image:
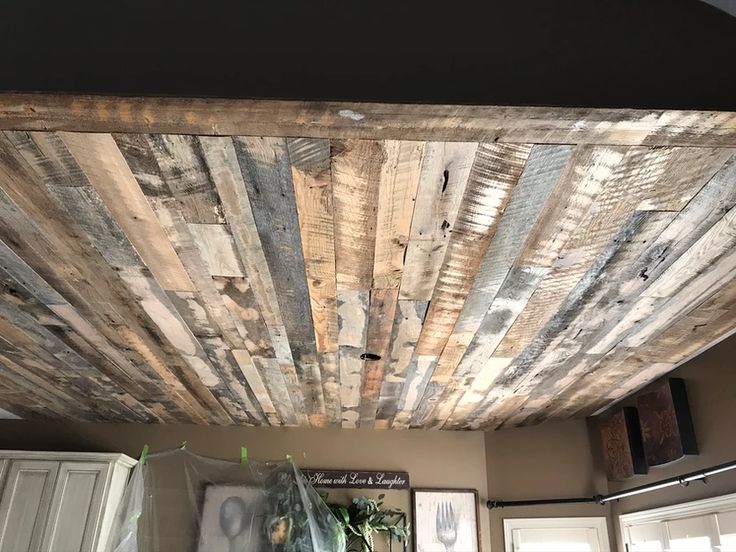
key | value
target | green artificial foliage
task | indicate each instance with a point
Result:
(287, 527)
(365, 518)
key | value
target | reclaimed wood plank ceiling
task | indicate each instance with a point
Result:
(357, 265)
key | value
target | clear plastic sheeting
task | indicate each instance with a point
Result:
(179, 501)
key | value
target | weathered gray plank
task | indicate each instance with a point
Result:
(495, 172)
(352, 320)
(381, 313)
(266, 173)
(408, 319)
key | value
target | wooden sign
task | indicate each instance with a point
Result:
(346, 479)
(622, 445)
(666, 424)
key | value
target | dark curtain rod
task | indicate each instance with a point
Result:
(684, 480)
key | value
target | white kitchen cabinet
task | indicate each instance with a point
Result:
(59, 502)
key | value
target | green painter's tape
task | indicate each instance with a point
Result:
(144, 453)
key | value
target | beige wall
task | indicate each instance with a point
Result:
(547, 461)
(710, 380)
(433, 459)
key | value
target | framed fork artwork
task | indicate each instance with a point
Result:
(445, 520)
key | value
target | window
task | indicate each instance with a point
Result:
(699, 526)
(556, 535)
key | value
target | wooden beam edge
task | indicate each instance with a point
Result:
(250, 117)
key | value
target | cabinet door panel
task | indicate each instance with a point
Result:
(3, 468)
(76, 507)
(25, 503)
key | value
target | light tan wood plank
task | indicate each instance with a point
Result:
(109, 174)
(444, 174)
(225, 172)
(356, 173)
(396, 196)
(215, 244)
(310, 166)
(494, 174)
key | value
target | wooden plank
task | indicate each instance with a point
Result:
(278, 374)
(49, 157)
(509, 302)
(381, 314)
(68, 263)
(477, 390)
(674, 275)
(34, 392)
(159, 308)
(444, 174)
(418, 378)
(240, 400)
(215, 244)
(35, 326)
(29, 360)
(352, 320)
(221, 158)
(541, 173)
(312, 180)
(27, 277)
(57, 368)
(356, 173)
(330, 371)
(686, 172)
(409, 316)
(310, 169)
(266, 173)
(397, 192)
(624, 370)
(536, 185)
(525, 369)
(599, 327)
(608, 186)
(457, 363)
(109, 174)
(83, 205)
(256, 378)
(240, 300)
(494, 174)
(693, 280)
(193, 311)
(211, 116)
(567, 355)
(183, 168)
(147, 172)
(658, 313)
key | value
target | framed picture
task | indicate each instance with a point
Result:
(445, 520)
(232, 519)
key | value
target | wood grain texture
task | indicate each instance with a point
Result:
(397, 192)
(506, 271)
(550, 125)
(493, 176)
(444, 175)
(108, 173)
